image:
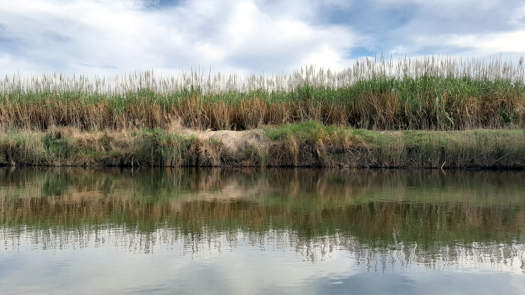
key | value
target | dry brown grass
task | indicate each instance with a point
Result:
(425, 103)
(295, 145)
(371, 111)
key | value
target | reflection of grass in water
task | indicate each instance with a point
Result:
(428, 233)
(287, 184)
(410, 215)
(377, 208)
(56, 185)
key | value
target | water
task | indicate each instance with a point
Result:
(280, 231)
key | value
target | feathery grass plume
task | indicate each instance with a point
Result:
(441, 93)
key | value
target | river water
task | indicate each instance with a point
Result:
(272, 231)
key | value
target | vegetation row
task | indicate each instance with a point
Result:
(305, 144)
(432, 93)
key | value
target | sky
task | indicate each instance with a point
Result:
(247, 36)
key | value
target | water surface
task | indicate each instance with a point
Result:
(286, 231)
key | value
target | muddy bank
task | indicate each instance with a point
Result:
(306, 144)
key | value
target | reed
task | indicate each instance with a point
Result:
(429, 93)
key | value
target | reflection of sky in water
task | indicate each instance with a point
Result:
(235, 263)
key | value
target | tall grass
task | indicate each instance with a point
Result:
(411, 93)
(491, 69)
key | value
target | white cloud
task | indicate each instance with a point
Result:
(119, 35)
(94, 36)
(483, 44)
(506, 42)
(518, 17)
(469, 27)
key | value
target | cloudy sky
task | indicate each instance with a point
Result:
(275, 36)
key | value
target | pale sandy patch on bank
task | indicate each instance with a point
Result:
(233, 140)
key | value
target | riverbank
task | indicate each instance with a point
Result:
(304, 144)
